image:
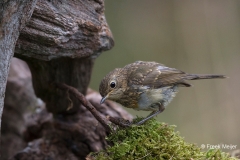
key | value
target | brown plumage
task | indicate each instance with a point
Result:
(146, 85)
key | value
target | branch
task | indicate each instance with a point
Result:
(84, 102)
(120, 122)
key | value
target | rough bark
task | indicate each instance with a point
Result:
(13, 17)
(65, 28)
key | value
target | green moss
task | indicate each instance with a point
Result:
(154, 140)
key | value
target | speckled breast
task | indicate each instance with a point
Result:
(130, 98)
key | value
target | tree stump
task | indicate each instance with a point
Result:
(60, 43)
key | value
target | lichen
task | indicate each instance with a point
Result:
(154, 140)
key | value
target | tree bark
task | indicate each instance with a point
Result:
(66, 28)
(13, 17)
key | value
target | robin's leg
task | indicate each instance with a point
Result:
(151, 115)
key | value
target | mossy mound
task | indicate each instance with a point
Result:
(154, 140)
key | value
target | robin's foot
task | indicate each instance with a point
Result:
(151, 115)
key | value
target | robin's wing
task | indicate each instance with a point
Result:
(154, 75)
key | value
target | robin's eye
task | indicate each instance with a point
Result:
(113, 84)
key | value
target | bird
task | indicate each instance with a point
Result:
(148, 86)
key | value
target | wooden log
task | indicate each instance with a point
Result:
(60, 43)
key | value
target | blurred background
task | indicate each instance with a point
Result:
(194, 36)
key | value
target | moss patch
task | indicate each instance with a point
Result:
(154, 140)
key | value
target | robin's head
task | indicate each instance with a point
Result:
(112, 85)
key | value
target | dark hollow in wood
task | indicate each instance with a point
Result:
(74, 72)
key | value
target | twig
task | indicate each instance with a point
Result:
(84, 102)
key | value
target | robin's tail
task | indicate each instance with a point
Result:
(203, 76)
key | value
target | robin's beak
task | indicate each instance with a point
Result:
(103, 99)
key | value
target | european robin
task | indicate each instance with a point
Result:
(148, 86)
